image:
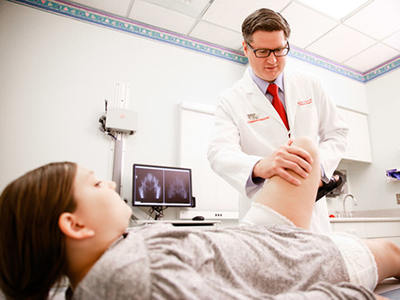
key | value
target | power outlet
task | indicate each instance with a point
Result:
(398, 198)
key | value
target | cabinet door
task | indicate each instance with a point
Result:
(383, 229)
(354, 228)
(370, 230)
(216, 199)
(359, 148)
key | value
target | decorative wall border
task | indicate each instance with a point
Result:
(382, 69)
(345, 71)
(85, 14)
(324, 63)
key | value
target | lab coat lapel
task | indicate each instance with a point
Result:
(258, 100)
(290, 86)
(300, 105)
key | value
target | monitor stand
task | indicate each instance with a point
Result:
(159, 211)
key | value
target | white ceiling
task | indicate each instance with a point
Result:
(363, 39)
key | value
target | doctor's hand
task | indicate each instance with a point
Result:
(285, 158)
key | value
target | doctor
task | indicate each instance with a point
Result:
(251, 142)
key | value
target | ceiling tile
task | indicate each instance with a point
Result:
(340, 44)
(372, 57)
(378, 19)
(119, 7)
(337, 9)
(161, 17)
(192, 8)
(304, 33)
(231, 13)
(217, 35)
(393, 40)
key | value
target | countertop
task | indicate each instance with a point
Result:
(364, 219)
(377, 215)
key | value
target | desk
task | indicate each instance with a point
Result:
(182, 223)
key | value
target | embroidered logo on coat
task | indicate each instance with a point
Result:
(252, 116)
(258, 120)
(255, 118)
(307, 102)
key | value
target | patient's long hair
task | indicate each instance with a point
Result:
(32, 247)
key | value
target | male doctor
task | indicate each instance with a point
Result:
(251, 142)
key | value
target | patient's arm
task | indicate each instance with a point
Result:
(294, 202)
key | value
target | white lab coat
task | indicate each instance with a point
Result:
(247, 128)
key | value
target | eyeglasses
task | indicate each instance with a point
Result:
(263, 53)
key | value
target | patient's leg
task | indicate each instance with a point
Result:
(387, 257)
(294, 202)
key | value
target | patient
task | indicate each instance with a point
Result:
(60, 220)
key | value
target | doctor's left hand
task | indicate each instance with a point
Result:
(285, 158)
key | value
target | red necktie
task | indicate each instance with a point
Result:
(277, 103)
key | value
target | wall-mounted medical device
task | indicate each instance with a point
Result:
(392, 175)
(118, 121)
(121, 120)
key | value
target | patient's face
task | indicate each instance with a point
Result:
(98, 205)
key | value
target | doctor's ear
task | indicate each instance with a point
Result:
(72, 228)
(245, 48)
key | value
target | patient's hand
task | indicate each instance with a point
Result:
(379, 297)
(286, 157)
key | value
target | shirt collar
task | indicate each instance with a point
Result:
(263, 85)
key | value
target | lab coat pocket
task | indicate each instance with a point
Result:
(306, 120)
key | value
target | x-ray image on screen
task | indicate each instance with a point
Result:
(162, 186)
(149, 185)
(177, 185)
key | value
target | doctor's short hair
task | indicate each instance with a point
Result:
(266, 20)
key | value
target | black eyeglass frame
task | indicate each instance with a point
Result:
(269, 53)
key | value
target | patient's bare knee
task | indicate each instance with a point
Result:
(307, 144)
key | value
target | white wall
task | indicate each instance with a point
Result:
(55, 74)
(368, 181)
(379, 99)
(343, 91)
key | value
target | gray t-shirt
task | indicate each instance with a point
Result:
(246, 262)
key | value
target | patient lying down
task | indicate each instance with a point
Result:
(60, 220)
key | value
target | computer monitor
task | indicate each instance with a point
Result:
(161, 187)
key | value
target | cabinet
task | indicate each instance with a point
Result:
(359, 147)
(216, 197)
(370, 228)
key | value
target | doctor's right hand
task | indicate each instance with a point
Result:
(285, 158)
